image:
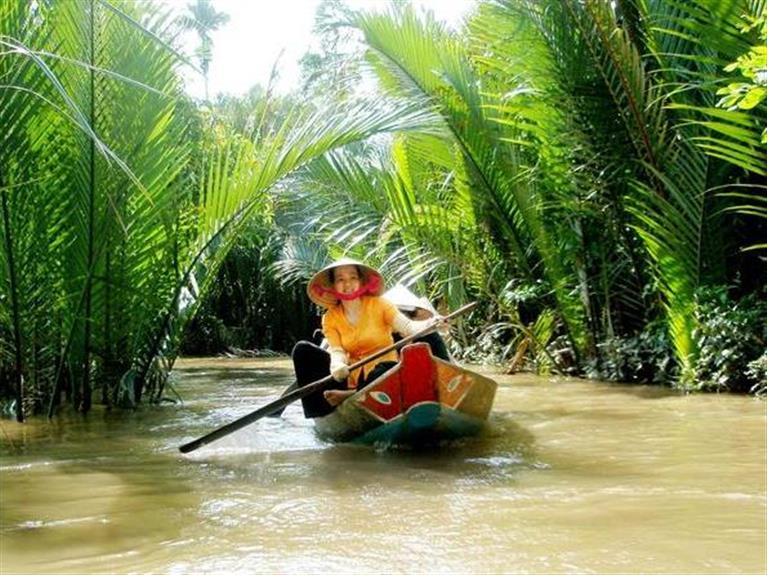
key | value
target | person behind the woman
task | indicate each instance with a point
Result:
(357, 323)
(419, 308)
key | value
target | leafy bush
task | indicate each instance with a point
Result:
(519, 347)
(731, 335)
(491, 345)
(757, 370)
(647, 357)
(206, 335)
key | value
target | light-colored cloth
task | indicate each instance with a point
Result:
(406, 327)
(406, 300)
(372, 333)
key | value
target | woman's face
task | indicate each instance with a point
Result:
(346, 279)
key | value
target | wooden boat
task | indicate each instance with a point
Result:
(421, 399)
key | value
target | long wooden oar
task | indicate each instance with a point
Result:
(288, 389)
(310, 388)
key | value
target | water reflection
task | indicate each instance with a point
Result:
(568, 477)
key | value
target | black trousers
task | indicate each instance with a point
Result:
(312, 363)
(437, 344)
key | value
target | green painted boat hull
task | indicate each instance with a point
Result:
(427, 422)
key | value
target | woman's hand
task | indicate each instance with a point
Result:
(339, 371)
(443, 327)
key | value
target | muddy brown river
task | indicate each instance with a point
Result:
(569, 476)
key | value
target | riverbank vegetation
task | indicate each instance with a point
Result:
(592, 172)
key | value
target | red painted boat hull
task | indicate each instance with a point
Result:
(422, 398)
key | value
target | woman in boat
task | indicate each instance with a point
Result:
(358, 323)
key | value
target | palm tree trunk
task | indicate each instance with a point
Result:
(108, 356)
(15, 309)
(85, 405)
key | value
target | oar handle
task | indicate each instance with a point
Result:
(310, 388)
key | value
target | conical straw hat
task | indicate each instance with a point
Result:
(321, 281)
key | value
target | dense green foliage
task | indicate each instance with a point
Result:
(583, 164)
(247, 308)
(120, 200)
(592, 172)
(587, 180)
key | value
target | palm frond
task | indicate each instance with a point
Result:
(412, 56)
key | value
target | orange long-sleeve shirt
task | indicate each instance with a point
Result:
(372, 333)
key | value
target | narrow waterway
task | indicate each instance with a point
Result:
(569, 477)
